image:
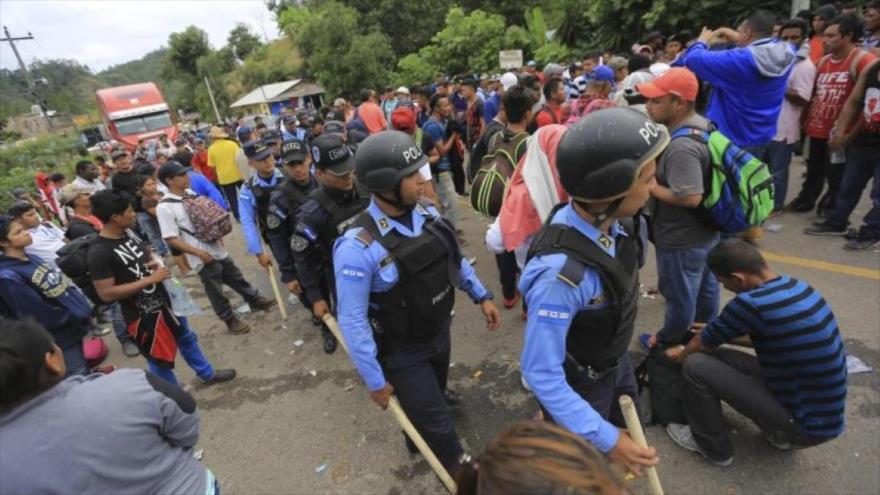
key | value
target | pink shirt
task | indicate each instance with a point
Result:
(788, 127)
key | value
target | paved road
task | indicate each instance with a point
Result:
(298, 421)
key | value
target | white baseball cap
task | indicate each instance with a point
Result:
(402, 90)
(508, 79)
(631, 82)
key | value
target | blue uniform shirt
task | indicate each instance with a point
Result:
(202, 186)
(247, 209)
(358, 274)
(552, 305)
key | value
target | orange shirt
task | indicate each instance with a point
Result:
(372, 116)
(817, 51)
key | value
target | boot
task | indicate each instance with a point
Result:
(329, 341)
(261, 303)
(220, 376)
(236, 326)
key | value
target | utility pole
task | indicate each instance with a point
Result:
(213, 103)
(799, 5)
(27, 74)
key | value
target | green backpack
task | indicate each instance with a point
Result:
(738, 190)
(490, 182)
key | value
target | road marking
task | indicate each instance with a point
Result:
(824, 265)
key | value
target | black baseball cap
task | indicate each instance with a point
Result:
(170, 170)
(256, 150)
(330, 153)
(334, 127)
(289, 118)
(118, 154)
(294, 150)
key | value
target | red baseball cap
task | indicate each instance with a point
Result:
(677, 81)
(403, 119)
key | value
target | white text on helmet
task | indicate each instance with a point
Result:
(648, 131)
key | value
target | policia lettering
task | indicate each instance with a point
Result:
(606, 163)
(401, 260)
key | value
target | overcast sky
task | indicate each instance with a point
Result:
(101, 33)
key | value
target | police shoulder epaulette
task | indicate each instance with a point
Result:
(572, 272)
(364, 236)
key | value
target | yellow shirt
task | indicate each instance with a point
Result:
(221, 156)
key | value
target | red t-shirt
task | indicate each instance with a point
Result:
(200, 164)
(833, 86)
(548, 115)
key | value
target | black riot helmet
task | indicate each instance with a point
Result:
(384, 158)
(600, 157)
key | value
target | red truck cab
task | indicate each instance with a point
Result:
(134, 113)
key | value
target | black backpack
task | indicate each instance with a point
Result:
(73, 260)
(666, 381)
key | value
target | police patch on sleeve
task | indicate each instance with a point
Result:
(272, 221)
(353, 273)
(553, 314)
(307, 232)
(298, 244)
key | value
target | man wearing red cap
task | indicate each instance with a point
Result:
(682, 241)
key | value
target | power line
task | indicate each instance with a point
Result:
(26, 72)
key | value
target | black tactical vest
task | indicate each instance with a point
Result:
(597, 338)
(293, 196)
(340, 215)
(262, 195)
(428, 268)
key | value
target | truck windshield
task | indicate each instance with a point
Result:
(143, 123)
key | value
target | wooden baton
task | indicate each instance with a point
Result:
(282, 307)
(402, 420)
(634, 426)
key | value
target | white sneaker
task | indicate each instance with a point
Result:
(684, 438)
(525, 384)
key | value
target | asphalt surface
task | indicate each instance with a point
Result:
(298, 421)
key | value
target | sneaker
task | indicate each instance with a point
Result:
(777, 440)
(100, 331)
(262, 303)
(524, 383)
(236, 326)
(452, 398)
(799, 206)
(329, 341)
(682, 436)
(862, 242)
(129, 348)
(825, 229)
(647, 341)
(220, 376)
(510, 303)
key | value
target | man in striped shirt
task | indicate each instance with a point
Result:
(795, 389)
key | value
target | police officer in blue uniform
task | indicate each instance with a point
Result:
(284, 202)
(581, 281)
(397, 268)
(322, 218)
(253, 201)
(272, 138)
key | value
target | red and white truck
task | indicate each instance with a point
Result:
(134, 113)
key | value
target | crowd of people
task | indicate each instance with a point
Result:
(581, 165)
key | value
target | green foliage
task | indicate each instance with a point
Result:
(337, 52)
(619, 23)
(409, 25)
(19, 162)
(184, 50)
(242, 42)
(552, 52)
(467, 43)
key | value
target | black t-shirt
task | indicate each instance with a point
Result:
(125, 261)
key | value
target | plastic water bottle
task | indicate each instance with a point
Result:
(181, 302)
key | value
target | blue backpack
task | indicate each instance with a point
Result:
(738, 190)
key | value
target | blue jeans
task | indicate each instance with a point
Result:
(862, 164)
(188, 346)
(75, 360)
(778, 156)
(119, 326)
(150, 227)
(692, 294)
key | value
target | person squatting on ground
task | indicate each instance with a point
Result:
(398, 267)
(794, 388)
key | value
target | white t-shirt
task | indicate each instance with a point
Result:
(95, 185)
(48, 238)
(174, 222)
(426, 171)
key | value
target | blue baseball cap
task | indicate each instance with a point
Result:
(243, 131)
(602, 73)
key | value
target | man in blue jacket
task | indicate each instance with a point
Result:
(31, 288)
(748, 82)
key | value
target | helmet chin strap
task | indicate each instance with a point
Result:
(396, 201)
(603, 215)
